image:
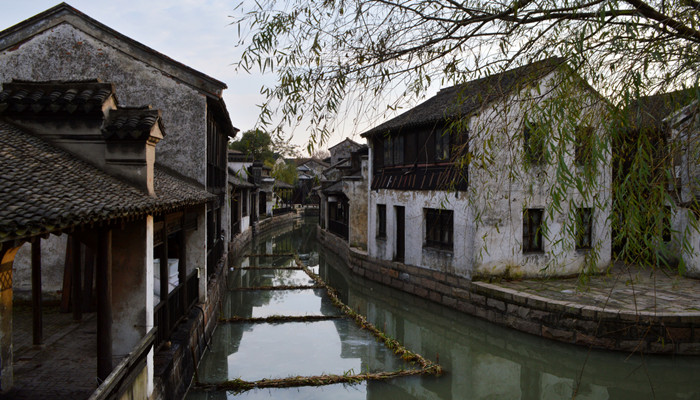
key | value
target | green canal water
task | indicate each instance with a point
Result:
(481, 360)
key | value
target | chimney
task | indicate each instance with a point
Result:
(130, 138)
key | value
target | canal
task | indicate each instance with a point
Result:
(481, 360)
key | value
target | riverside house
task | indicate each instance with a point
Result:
(465, 183)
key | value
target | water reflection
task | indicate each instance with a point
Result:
(482, 360)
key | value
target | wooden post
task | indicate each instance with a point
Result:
(89, 279)
(164, 284)
(182, 271)
(77, 288)
(67, 274)
(104, 303)
(36, 290)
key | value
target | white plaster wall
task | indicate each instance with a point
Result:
(685, 229)
(458, 261)
(53, 255)
(503, 186)
(197, 252)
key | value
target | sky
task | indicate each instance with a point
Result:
(197, 33)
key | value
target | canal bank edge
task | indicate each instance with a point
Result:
(578, 324)
(175, 366)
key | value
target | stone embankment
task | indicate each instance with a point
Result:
(628, 310)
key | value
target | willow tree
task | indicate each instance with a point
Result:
(370, 57)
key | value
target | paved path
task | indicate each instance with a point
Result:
(64, 366)
(625, 289)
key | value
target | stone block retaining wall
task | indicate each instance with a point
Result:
(553, 319)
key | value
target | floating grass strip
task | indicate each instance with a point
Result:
(427, 367)
(268, 268)
(239, 385)
(281, 318)
(270, 255)
(282, 287)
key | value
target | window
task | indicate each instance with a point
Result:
(397, 145)
(442, 145)
(244, 203)
(584, 228)
(388, 156)
(438, 228)
(532, 230)
(533, 138)
(583, 145)
(381, 220)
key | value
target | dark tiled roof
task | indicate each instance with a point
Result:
(648, 112)
(462, 100)
(131, 123)
(21, 97)
(282, 185)
(237, 181)
(44, 189)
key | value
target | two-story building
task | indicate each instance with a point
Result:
(64, 44)
(507, 175)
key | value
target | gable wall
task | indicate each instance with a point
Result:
(66, 53)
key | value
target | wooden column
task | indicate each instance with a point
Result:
(36, 291)
(164, 284)
(182, 270)
(104, 303)
(76, 286)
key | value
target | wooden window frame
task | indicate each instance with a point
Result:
(439, 229)
(381, 221)
(442, 145)
(388, 152)
(532, 231)
(584, 228)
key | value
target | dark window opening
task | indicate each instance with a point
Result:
(397, 149)
(532, 231)
(442, 145)
(438, 228)
(583, 145)
(666, 229)
(381, 220)
(533, 138)
(244, 203)
(584, 228)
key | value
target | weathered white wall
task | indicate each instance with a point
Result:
(132, 285)
(356, 192)
(458, 261)
(53, 255)
(488, 216)
(501, 189)
(684, 226)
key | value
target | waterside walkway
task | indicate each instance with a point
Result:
(64, 366)
(642, 309)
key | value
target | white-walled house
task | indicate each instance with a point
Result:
(683, 129)
(480, 180)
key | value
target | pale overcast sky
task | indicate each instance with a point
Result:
(196, 33)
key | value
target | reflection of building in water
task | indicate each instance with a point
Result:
(483, 360)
